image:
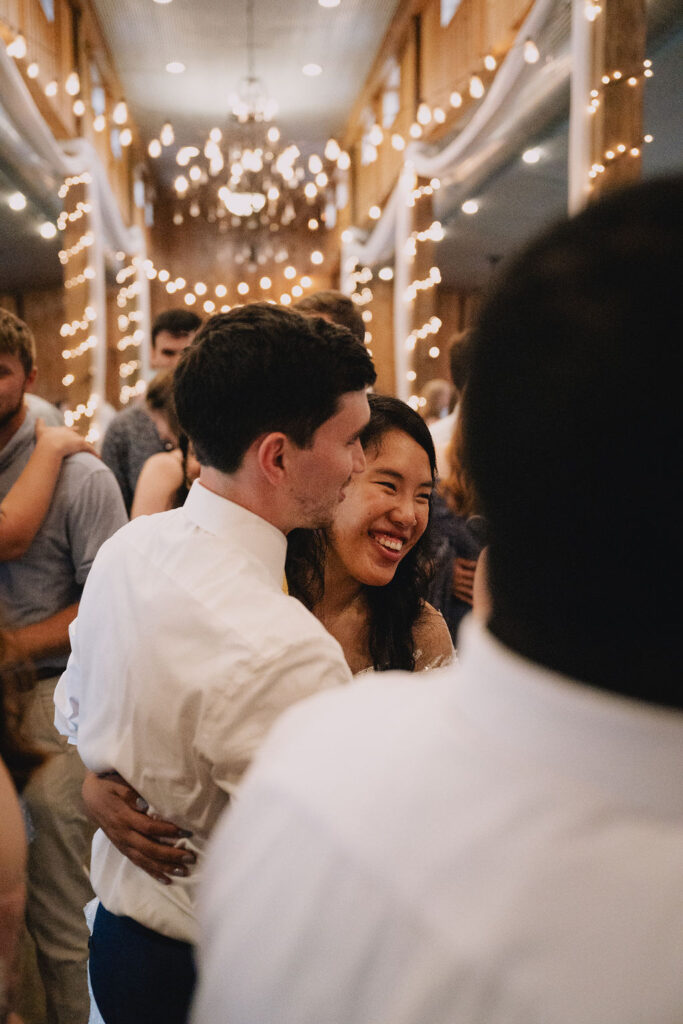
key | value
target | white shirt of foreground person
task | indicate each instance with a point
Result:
(497, 844)
(184, 651)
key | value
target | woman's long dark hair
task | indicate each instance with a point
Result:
(395, 607)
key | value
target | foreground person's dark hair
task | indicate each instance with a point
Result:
(574, 441)
(394, 608)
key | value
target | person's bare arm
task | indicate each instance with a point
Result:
(463, 578)
(41, 639)
(27, 502)
(157, 484)
(121, 813)
(481, 602)
(12, 889)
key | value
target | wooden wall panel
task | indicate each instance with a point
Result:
(382, 329)
(43, 311)
(198, 251)
(51, 44)
(447, 56)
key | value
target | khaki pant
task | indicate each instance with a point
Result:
(59, 855)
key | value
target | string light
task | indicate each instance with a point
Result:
(531, 53)
(120, 114)
(72, 86)
(424, 114)
(428, 329)
(17, 48)
(422, 285)
(332, 150)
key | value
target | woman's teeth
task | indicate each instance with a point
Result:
(393, 543)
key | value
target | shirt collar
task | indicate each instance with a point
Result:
(225, 519)
(632, 748)
(20, 439)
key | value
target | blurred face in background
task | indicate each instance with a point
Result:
(168, 348)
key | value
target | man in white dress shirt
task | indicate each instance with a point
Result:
(186, 648)
(503, 842)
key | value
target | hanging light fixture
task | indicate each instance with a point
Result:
(251, 102)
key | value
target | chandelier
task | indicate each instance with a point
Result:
(251, 102)
(247, 178)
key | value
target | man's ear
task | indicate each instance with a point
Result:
(271, 453)
(31, 377)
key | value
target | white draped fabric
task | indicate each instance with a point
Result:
(37, 159)
(521, 99)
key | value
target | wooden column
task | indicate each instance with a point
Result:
(416, 324)
(128, 336)
(424, 304)
(78, 331)
(606, 124)
(621, 39)
(382, 329)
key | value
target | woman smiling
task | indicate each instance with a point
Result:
(365, 576)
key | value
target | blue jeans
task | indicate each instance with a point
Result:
(139, 976)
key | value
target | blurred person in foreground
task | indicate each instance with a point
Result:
(503, 842)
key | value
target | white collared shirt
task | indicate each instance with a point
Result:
(497, 844)
(184, 651)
